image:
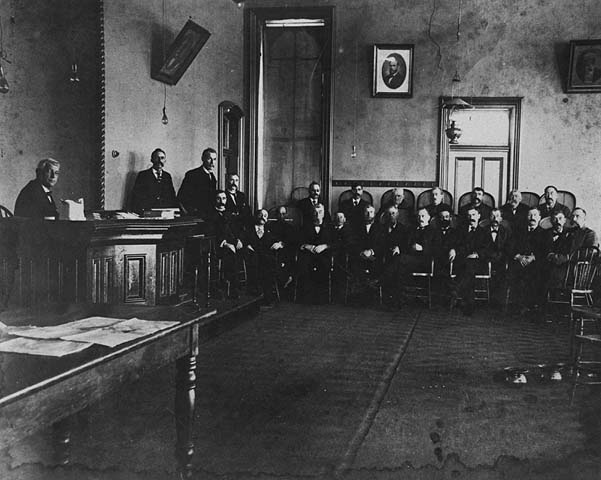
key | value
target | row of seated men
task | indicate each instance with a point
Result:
(385, 249)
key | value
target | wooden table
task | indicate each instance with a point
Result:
(37, 392)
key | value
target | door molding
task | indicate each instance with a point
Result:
(253, 33)
(514, 105)
(230, 109)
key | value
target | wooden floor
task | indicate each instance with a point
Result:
(328, 391)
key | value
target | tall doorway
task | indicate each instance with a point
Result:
(290, 92)
(487, 152)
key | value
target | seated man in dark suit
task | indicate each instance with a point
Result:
(582, 236)
(367, 254)
(551, 204)
(35, 199)
(527, 261)
(477, 203)
(153, 187)
(498, 249)
(307, 205)
(197, 192)
(260, 255)
(314, 253)
(286, 233)
(237, 205)
(405, 216)
(342, 245)
(515, 212)
(559, 250)
(445, 243)
(228, 243)
(394, 240)
(417, 251)
(470, 258)
(437, 203)
(353, 207)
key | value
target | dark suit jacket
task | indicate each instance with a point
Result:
(311, 237)
(425, 237)
(374, 240)
(34, 202)
(197, 193)
(561, 245)
(284, 232)
(498, 250)
(353, 214)
(393, 81)
(221, 224)
(261, 245)
(149, 193)
(517, 220)
(584, 237)
(239, 206)
(445, 240)
(537, 242)
(343, 239)
(545, 211)
(434, 210)
(473, 242)
(306, 207)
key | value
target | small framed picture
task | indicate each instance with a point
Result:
(184, 49)
(393, 70)
(584, 75)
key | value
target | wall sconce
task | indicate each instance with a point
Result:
(74, 78)
(239, 3)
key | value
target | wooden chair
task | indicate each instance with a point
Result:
(422, 288)
(298, 194)
(329, 278)
(425, 198)
(5, 212)
(531, 199)
(481, 284)
(293, 215)
(576, 288)
(466, 199)
(586, 371)
(348, 194)
(408, 199)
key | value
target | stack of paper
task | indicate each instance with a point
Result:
(72, 337)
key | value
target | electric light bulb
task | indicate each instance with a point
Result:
(165, 120)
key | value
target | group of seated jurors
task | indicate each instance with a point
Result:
(357, 242)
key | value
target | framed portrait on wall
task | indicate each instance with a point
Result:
(182, 51)
(584, 75)
(392, 70)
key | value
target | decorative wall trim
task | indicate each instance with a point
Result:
(385, 183)
(101, 109)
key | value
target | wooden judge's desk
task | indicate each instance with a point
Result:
(138, 261)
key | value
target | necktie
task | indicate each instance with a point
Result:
(472, 229)
(159, 177)
(50, 199)
(355, 202)
(233, 198)
(213, 179)
(260, 231)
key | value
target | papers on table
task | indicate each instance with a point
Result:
(118, 333)
(72, 337)
(49, 348)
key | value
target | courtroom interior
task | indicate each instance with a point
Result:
(300, 239)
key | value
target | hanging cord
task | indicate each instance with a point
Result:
(439, 54)
(354, 147)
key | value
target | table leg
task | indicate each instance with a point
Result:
(208, 273)
(185, 396)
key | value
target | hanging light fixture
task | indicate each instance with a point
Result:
(453, 132)
(164, 119)
(3, 81)
(239, 3)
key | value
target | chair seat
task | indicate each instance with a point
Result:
(422, 274)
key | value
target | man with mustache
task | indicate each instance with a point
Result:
(154, 186)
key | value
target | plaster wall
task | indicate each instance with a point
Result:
(507, 48)
(44, 114)
(134, 101)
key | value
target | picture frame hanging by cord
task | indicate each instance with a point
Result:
(392, 70)
(584, 75)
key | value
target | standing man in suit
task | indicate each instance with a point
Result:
(515, 212)
(35, 199)
(308, 204)
(154, 186)
(197, 192)
(551, 204)
(353, 207)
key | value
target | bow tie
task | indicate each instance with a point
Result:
(472, 229)
(494, 229)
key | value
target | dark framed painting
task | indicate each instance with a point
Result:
(181, 53)
(584, 75)
(392, 70)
